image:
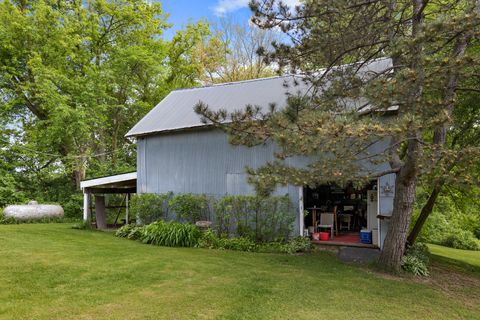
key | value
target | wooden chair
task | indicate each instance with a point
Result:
(327, 221)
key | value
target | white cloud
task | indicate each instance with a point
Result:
(226, 6)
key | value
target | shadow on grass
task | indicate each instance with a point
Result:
(456, 265)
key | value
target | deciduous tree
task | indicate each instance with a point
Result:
(76, 75)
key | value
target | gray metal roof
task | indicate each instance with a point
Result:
(176, 110)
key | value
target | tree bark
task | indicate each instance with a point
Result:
(79, 176)
(394, 245)
(425, 213)
(406, 179)
(403, 202)
(79, 172)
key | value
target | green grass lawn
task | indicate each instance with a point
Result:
(50, 271)
(464, 258)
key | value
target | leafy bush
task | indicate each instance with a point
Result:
(171, 234)
(125, 230)
(416, 260)
(461, 239)
(73, 207)
(211, 241)
(454, 219)
(297, 244)
(272, 247)
(275, 220)
(189, 207)
(6, 220)
(150, 207)
(414, 265)
(227, 211)
(9, 190)
(264, 219)
(130, 231)
(239, 244)
(421, 251)
(136, 233)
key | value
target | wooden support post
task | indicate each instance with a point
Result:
(100, 213)
(127, 205)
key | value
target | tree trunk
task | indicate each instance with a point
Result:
(425, 213)
(78, 176)
(79, 173)
(394, 246)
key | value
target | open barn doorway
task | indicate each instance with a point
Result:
(344, 215)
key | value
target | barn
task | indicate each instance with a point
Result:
(178, 153)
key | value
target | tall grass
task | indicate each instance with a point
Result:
(171, 234)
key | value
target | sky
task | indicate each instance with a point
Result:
(181, 11)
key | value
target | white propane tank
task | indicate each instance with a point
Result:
(33, 211)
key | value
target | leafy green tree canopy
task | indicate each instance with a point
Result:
(76, 75)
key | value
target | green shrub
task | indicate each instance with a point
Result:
(416, 260)
(130, 231)
(238, 244)
(135, 233)
(9, 190)
(297, 244)
(211, 241)
(228, 209)
(6, 220)
(189, 207)
(275, 219)
(264, 219)
(150, 207)
(272, 247)
(73, 207)
(125, 230)
(171, 234)
(421, 251)
(454, 214)
(414, 265)
(461, 239)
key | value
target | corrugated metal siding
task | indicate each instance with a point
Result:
(204, 162)
(199, 162)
